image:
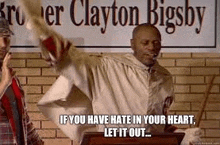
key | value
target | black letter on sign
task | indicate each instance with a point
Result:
(120, 16)
(72, 14)
(49, 11)
(152, 11)
(58, 9)
(2, 5)
(18, 16)
(187, 14)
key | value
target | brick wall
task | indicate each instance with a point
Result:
(190, 71)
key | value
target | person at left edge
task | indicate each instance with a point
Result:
(15, 125)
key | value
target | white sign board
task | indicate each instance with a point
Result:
(106, 25)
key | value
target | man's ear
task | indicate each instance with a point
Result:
(132, 44)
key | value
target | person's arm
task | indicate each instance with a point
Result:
(56, 50)
(3, 88)
(167, 103)
(73, 64)
(33, 137)
(54, 47)
(6, 75)
(192, 135)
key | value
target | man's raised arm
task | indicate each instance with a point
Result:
(53, 46)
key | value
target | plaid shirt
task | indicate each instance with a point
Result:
(8, 123)
(6, 134)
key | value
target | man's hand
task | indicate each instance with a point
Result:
(192, 136)
(6, 72)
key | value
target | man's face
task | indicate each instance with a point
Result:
(146, 45)
(4, 44)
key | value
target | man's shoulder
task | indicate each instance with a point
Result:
(123, 58)
(111, 55)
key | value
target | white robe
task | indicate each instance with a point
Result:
(107, 85)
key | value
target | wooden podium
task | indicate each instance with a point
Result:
(97, 138)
